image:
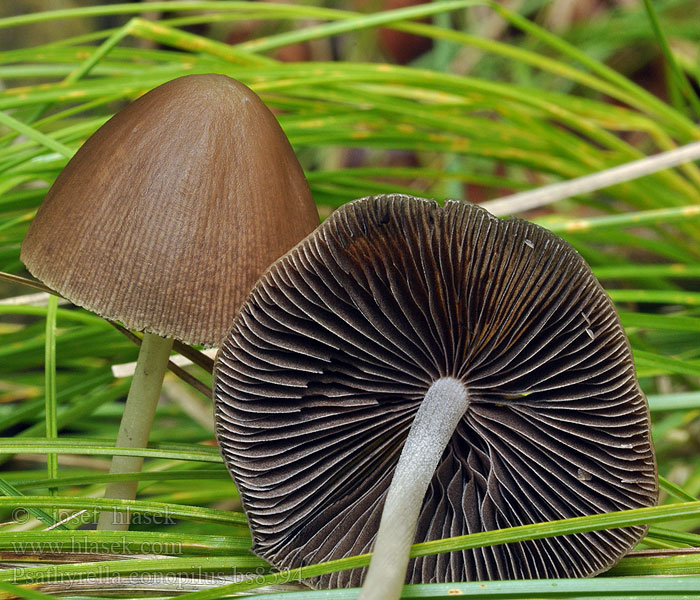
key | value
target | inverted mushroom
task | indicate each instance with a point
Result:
(396, 304)
(164, 219)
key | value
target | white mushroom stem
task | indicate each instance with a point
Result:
(442, 408)
(135, 426)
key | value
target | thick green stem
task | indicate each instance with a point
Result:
(135, 427)
(441, 410)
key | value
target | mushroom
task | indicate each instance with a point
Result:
(163, 220)
(462, 373)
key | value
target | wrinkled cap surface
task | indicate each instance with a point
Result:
(167, 215)
(319, 380)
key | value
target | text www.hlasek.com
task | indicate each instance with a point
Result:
(83, 544)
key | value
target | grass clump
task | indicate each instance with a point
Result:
(500, 100)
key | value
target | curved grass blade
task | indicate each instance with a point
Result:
(207, 454)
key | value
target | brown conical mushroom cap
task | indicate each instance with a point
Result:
(168, 214)
(329, 358)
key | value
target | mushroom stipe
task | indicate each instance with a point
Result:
(320, 378)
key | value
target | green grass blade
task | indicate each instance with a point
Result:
(187, 41)
(35, 135)
(661, 565)
(635, 219)
(9, 490)
(676, 537)
(23, 592)
(663, 322)
(665, 364)
(678, 78)
(50, 387)
(65, 446)
(571, 589)
(679, 401)
(648, 271)
(69, 481)
(675, 490)
(655, 296)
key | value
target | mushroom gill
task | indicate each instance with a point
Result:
(328, 361)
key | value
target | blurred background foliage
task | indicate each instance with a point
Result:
(468, 100)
